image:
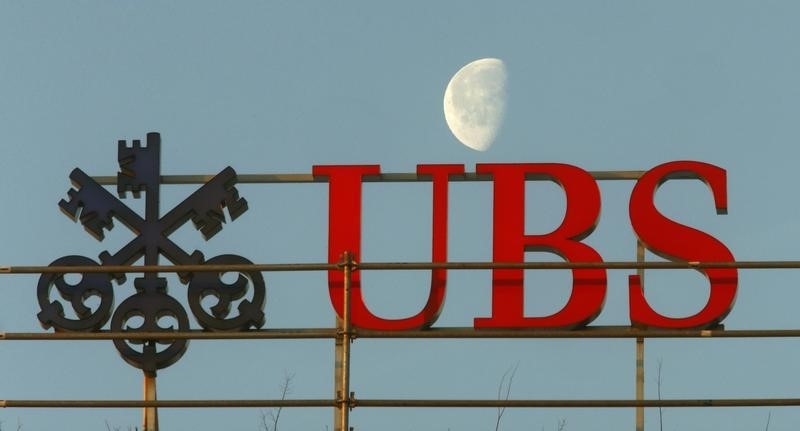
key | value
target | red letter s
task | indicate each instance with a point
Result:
(676, 242)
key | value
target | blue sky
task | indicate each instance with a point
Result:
(276, 87)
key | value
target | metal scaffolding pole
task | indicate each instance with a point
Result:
(409, 403)
(372, 266)
(640, 349)
(337, 372)
(593, 332)
(150, 414)
(342, 353)
(391, 177)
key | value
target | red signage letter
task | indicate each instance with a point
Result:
(510, 244)
(676, 242)
(344, 234)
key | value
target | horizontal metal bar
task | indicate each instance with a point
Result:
(431, 333)
(766, 264)
(760, 264)
(260, 334)
(416, 403)
(163, 403)
(270, 267)
(387, 177)
(740, 402)
(588, 332)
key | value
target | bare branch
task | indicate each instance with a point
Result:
(110, 427)
(264, 424)
(269, 419)
(562, 424)
(658, 382)
(769, 416)
(504, 392)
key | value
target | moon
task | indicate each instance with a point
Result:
(475, 102)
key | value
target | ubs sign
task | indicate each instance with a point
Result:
(96, 208)
(658, 233)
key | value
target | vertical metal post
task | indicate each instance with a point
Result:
(343, 340)
(151, 257)
(337, 372)
(150, 414)
(640, 349)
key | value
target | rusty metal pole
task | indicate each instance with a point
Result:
(337, 372)
(640, 349)
(150, 414)
(346, 340)
(342, 353)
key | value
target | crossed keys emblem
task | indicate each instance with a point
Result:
(96, 208)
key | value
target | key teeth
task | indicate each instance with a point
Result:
(135, 164)
(123, 148)
(72, 207)
(210, 215)
(211, 230)
(238, 208)
(75, 209)
(95, 225)
(209, 224)
(128, 183)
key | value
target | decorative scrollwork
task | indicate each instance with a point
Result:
(205, 284)
(151, 304)
(90, 285)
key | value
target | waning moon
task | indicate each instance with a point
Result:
(475, 101)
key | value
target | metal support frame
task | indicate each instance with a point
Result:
(344, 334)
(344, 400)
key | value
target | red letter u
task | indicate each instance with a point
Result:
(344, 234)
